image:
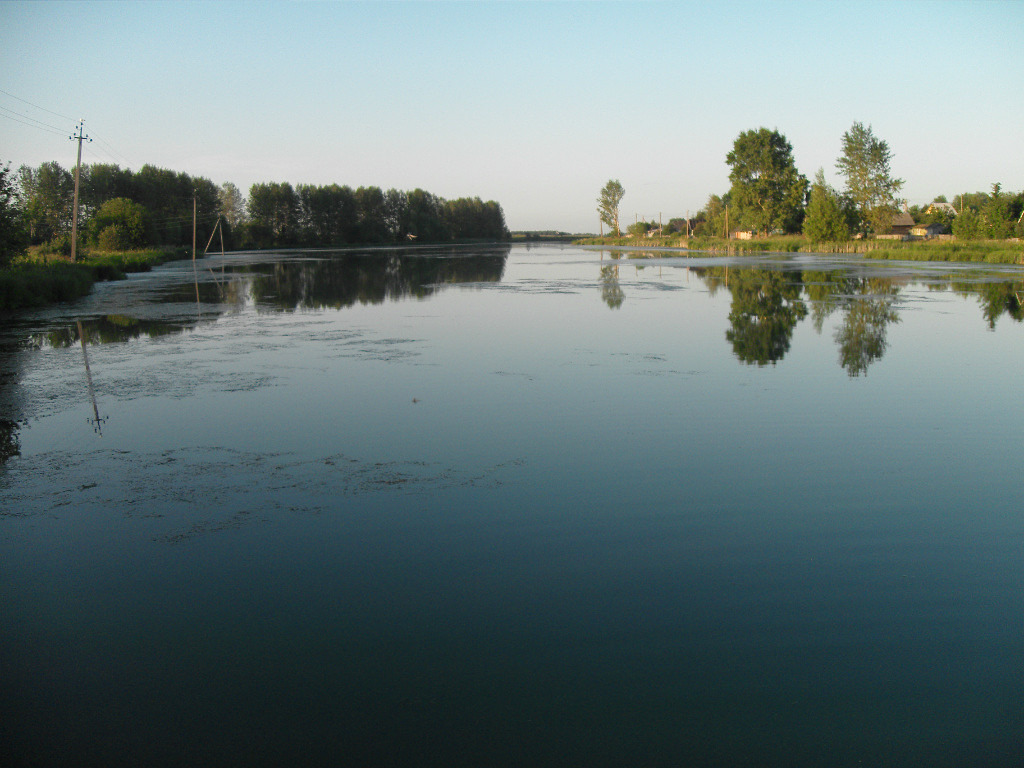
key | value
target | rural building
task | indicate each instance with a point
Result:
(902, 223)
(943, 208)
(927, 230)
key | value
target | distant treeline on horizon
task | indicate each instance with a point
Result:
(121, 208)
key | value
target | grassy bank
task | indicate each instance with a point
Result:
(979, 251)
(39, 279)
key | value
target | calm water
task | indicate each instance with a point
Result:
(527, 507)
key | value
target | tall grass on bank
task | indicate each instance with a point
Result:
(978, 251)
(45, 278)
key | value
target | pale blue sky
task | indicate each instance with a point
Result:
(535, 105)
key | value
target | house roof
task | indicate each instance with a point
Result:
(903, 219)
(944, 207)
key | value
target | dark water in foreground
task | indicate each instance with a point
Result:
(531, 507)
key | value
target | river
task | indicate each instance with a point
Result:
(516, 506)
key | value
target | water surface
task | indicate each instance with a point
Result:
(527, 506)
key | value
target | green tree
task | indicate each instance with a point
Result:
(864, 163)
(101, 182)
(608, 204)
(675, 225)
(640, 228)
(969, 225)
(825, 221)
(274, 208)
(13, 236)
(997, 214)
(711, 218)
(373, 226)
(118, 225)
(232, 204)
(48, 193)
(767, 190)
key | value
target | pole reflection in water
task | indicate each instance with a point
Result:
(96, 421)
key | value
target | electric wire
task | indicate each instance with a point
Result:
(44, 109)
(46, 129)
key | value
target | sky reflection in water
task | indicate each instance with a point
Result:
(532, 507)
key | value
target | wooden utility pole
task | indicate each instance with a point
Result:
(78, 136)
(194, 204)
(727, 222)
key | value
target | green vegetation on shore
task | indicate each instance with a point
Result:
(42, 278)
(980, 251)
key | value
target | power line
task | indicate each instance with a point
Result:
(44, 109)
(46, 129)
(110, 147)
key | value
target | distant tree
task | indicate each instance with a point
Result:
(396, 214)
(767, 190)
(608, 204)
(675, 225)
(370, 215)
(274, 208)
(13, 236)
(969, 225)
(711, 218)
(232, 204)
(864, 163)
(118, 225)
(639, 228)
(997, 214)
(825, 221)
(101, 182)
(427, 220)
(48, 195)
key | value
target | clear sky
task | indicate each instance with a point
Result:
(535, 105)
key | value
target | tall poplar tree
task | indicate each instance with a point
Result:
(865, 165)
(608, 204)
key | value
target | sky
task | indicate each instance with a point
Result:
(533, 104)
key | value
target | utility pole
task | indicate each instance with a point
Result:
(194, 225)
(78, 136)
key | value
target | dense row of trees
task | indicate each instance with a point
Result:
(120, 209)
(307, 215)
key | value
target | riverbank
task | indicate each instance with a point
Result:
(39, 279)
(978, 251)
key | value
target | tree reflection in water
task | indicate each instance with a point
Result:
(611, 292)
(861, 337)
(766, 307)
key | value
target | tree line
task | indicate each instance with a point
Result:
(768, 195)
(121, 209)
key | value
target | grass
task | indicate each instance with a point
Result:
(40, 278)
(977, 251)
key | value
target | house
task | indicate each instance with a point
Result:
(902, 223)
(744, 234)
(927, 230)
(946, 209)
